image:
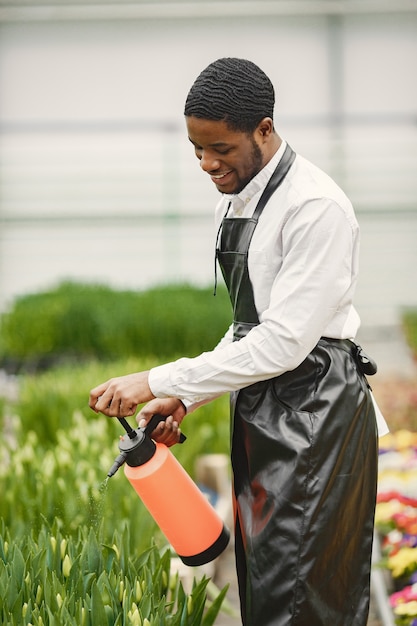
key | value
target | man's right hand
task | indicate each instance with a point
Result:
(168, 431)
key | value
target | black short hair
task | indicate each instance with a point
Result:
(234, 90)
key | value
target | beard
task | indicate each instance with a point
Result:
(254, 167)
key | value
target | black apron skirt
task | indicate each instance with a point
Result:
(304, 460)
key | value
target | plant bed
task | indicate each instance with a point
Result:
(55, 455)
(396, 522)
(49, 579)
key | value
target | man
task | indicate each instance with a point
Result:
(304, 436)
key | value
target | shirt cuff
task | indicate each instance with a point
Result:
(160, 386)
(159, 381)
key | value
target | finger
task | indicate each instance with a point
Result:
(171, 433)
(123, 409)
(112, 406)
(108, 404)
(173, 439)
(157, 432)
(95, 395)
(169, 426)
(147, 412)
(143, 418)
(162, 433)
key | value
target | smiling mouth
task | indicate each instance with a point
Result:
(218, 178)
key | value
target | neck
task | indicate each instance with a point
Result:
(272, 148)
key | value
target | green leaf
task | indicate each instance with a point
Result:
(144, 557)
(75, 580)
(119, 620)
(108, 593)
(4, 580)
(98, 612)
(39, 563)
(213, 611)
(197, 601)
(3, 556)
(18, 563)
(51, 618)
(109, 555)
(27, 617)
(88, 580)
(95, 561)
(146, 605)
(16, 608)
(12, 593)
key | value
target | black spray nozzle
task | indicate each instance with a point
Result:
(137, 448)
(117, 463)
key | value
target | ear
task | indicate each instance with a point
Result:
(265, 128)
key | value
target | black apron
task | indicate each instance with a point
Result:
(304, 459)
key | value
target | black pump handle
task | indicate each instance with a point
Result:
(149, 428)
(127, 427)
(153, 423)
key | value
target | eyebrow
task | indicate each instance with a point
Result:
(217, 144)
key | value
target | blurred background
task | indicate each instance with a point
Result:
(99, 183)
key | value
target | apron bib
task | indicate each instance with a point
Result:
(304, 460)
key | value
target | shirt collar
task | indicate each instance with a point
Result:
(258, 182)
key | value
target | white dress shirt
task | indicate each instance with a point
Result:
(303, 266)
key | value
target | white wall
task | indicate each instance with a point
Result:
(84, 105)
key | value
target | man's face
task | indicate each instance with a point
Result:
(231, 158)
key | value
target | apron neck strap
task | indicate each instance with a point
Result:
(276, 179)
(274, 182)
(215, 250)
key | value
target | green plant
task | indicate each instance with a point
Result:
(52, 580)
(57, 454)
(78, 322)
(47, 402)
(67, 481)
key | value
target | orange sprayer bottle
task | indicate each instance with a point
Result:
(183, 513)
